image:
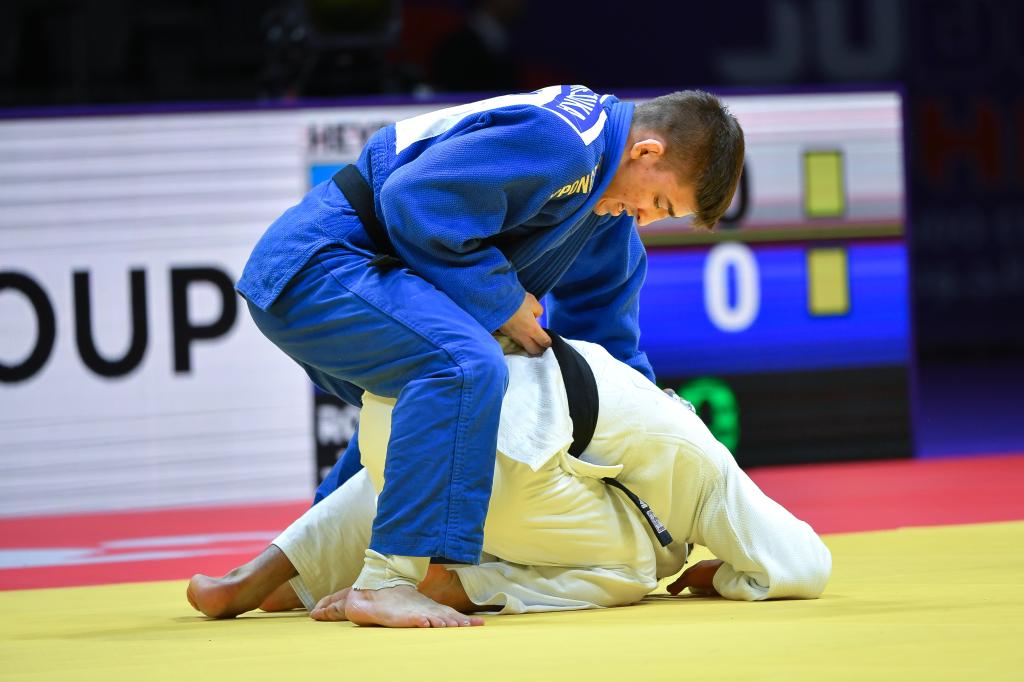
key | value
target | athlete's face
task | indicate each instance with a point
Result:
(645, 187)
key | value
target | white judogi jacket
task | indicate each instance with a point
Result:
(556, 535)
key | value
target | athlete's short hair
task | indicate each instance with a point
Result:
(705, 147)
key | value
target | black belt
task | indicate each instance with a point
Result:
(360, 197)
(581, 390)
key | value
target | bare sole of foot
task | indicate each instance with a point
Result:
(211, 596)
(402, 607)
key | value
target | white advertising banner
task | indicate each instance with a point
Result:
(138, 378)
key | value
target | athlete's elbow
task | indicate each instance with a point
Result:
(817, 570)
(803, 573)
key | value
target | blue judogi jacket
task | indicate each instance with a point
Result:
(486, 201)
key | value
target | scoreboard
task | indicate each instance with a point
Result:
(788, 326)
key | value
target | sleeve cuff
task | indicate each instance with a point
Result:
(498, 312)
(733, 584)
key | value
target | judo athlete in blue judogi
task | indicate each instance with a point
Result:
(450, 226)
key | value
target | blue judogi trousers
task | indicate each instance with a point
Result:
(353, 326)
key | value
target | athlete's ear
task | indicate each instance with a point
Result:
(651, 146)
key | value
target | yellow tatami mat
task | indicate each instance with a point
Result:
(943, 603)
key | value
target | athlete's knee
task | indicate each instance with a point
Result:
(485, 367)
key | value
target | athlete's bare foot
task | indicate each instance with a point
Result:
(241, 589)
(445, 587)
(282, 599)
(331, 607)
(215, 597)
(402, 607)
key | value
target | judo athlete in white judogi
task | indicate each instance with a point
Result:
(558, 536)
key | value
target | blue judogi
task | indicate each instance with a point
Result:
(482, 202)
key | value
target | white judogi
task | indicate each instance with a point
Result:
(560, 538)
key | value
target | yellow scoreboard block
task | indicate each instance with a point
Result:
(828, 282)
(824, 184)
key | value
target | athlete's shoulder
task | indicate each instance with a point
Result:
(564, 127)
(569, 111)
(578, 107)
(553, 132)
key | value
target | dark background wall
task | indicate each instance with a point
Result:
(961, 63)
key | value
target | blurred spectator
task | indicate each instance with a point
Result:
(326, 48)
(478, 56)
